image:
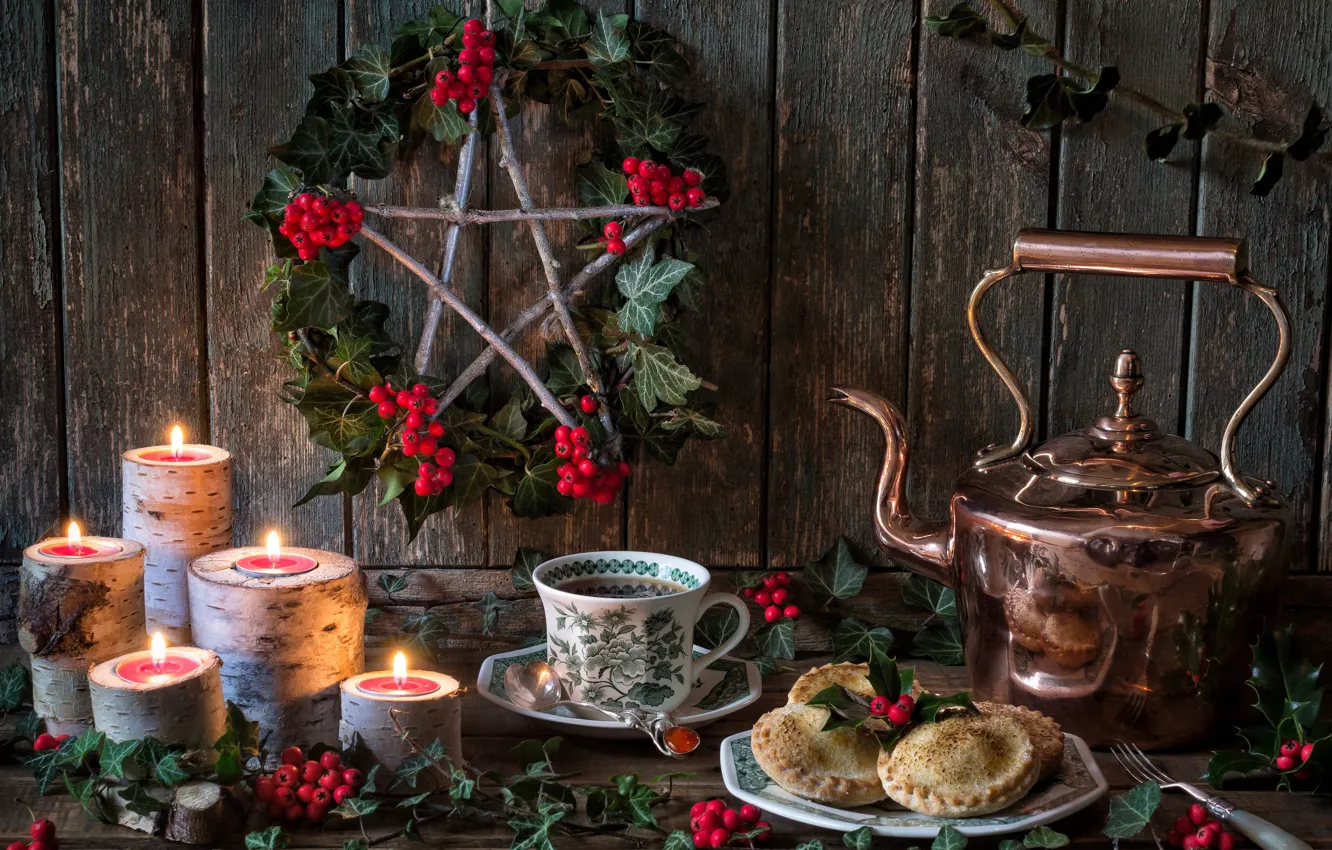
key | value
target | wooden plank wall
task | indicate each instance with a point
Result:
(877, 170)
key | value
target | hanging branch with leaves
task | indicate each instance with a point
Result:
(612, 380)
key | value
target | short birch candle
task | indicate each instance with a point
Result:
(176, 501)
(289, 626)
(173, 694)
(80, 603)
(426, 705)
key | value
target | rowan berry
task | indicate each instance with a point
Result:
(611, 230)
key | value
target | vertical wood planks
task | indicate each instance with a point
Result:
(130, 195)
(1265, 68)
(252, 100)
(380, 532)
(31, 479)
(844, 92)
(1107, 183)
(980, 177)
(729, 48)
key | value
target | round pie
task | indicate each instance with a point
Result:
(1045, 734)
(1070, 641)
(838, 768)
(853, 677)
(961, 767)
(1025, 619)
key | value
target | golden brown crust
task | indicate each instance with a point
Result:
(838, 768)
(961, 767)
(1070, 641)
(853, 677)
(1025, 620)
(1045, 734)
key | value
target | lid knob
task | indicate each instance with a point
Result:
(1126, 380)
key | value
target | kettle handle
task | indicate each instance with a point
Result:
(1134, 255)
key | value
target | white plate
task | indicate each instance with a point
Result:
(727, 686)
(1078, 784)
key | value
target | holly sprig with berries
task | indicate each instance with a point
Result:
(613, 383)
(892, 711)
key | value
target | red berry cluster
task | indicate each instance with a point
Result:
(610, 235)
(1198, 831)
(1292, 755)
(43, 834)
(650, 183)
(582, 477)
(476, 68)
(772, 597)
(302, 790)
(714, 825)
(420, 436)
(898, 713)
(313, 221)
(46, 741)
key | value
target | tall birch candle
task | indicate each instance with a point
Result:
(176, 501)
(80, 603)
(378, 707)
(289, 626)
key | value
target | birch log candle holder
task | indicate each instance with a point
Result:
(379, 708)
(289, 626)
(174, 695)
(80, 603)
(176, 501)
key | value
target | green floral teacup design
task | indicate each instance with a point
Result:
(620, 626)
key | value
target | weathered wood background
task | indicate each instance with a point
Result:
(877, 169)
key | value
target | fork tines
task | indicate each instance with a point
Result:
(1137, 765)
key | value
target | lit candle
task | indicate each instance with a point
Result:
(376, 706)
(178, 452)
(75, 545)
(401, 683)
(274, 562)
(158, 665)
(173, 694)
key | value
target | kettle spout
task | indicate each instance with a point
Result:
(922, 545)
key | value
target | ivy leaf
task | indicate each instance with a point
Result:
(1030, 43)
(948, 839)
(355, 807)
(1011, 844)
(656, 55)
(854, 641)
(1201, 119)
(471, 477)
(490, 605)
(13, 686)
(310, 150)
(141, 801)
(685, 419)
(860, 839)
(933, 596)
(88, 742)
(335, 417)
(391, 584)
(645, 284)
(524, 562)
(658, 376)
(273, 838)
(942, 641)
(1274, 165)
(962, 21)
(444, 123)
(1052, 99)
(679, 840)
(566, 375)
(777, 639)
(814, 844)
(313, 299)
(368, 68)
(536, 495)
(599, 185)
(88, 793)
(169, 772)
(113, 755)
(414, 800)
(1130, 812)
(432, 31)
(716, 625)
(836, 575)
(279, 185)
(1045, 837)
(570, 17)
(1312, 135)
(608, 44)
(424, 632)
(1161, 141)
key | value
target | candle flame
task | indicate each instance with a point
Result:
(400, 671)
(274, 546)
(74, 534)
(158, 651)
(177, 440)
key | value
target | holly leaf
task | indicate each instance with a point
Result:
(1285, 681)
(716, 625)
(13, 686)
(844, 710)
(368, 68)
(524, 562)
(962, 21)
(312, 299)
(855, 641)
(928, 705)
(1045, 837)
(273, 838)
(1269, 174)
(599, 185)
(948, 839)
(777, 640)
(860, 839)
(1130, 812)
(942, 641)
(1225, 762)
(883, 675)
(836, 575)
(608, 43)
(1161, 141)
(645, 284)
(444, 123)
(1052, 99)
(658, 376)
(113, 755)
(1312, 135)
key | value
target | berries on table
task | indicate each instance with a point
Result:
(1198, 814)
(714, 824)
(1199, 831)
(45, 742)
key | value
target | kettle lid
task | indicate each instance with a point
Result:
(1122, 450)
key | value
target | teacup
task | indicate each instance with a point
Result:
(620, 626)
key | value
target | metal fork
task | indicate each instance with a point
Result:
(1260, 832)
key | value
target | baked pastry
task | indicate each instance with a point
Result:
(1025, 619)
(853, 677)
(1070, 641)
(1045, 734)
(961, 767)
(838, 768)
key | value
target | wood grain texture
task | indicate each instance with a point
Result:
(842, 178)
(247, 106)
(1107, 183)
(1267, 70)
(980, 177)
(31, 480)
(130, 182)
(381, 533)
(729, 48)
(549, 148)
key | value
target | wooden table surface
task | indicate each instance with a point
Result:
(491, 733)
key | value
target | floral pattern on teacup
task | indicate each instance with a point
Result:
(610, 660)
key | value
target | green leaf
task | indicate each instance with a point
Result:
(1162, 140)
(646, 284)
(883, 674)
(88, 793)
(1044, 836)
(685, 419)
(28, 726)
(169, 771)
(942, 641)
(815, 844)
(948, 839)
(1285, 680)
(335, 417)
(860, 839)
(413, 800)
(1020, 38)
(424, 632)
(962, 21)
(1052, 99)
(837, 575)
(113, 755)
(600, 186)
(391, 584)
(1225, 762)
(279, 185)
(369, 70)
(355, 844)
(933, 596)
(355, 807)
(929, 704)
(273, 838)
(1312, 135)
(524, 562)
(1274, 165)
(87, 743)
(854, 641)
(716, 625)
(777, 639)
(679, 840)
(310, 150)
(1200, 119)
(608, 43)
(313, 299)
(536, 495)
(1011, 844)
(658, 376)
(437, 27)
(1130, 812)
(444, 123)
(13, 687)
(490, 605)
(141, 801)
(566, 375)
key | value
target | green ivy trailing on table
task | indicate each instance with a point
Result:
(622, 347)
(1080, 93)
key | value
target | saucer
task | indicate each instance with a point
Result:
(727, 686)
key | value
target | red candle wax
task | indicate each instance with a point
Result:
(140, 669)
(285, 564)
(165, 455)
(89, 547)
(387, 686)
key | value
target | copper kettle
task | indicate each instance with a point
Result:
(1112, 577)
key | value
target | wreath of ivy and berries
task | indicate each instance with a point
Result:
(613, 378)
